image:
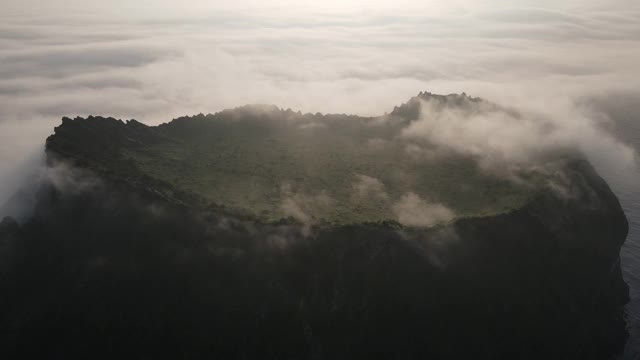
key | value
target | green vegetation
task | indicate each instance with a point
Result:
(274, 164)
(335, 169)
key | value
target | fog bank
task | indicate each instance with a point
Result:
(154, 60)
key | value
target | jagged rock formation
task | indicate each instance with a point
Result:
(120, 260)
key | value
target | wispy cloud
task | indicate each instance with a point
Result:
(412, 210)
(154, 60)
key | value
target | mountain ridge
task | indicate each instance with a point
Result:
(289, 155)
(116, 262)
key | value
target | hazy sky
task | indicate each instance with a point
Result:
(157, 59)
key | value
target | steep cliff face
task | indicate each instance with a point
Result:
(135, 267)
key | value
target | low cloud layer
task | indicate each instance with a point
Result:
(154, 60)
(505, 139)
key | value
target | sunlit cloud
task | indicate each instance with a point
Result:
(154, 60)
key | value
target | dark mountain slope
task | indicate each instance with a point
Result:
(117, 263)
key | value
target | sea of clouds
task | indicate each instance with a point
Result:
(154, 60)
